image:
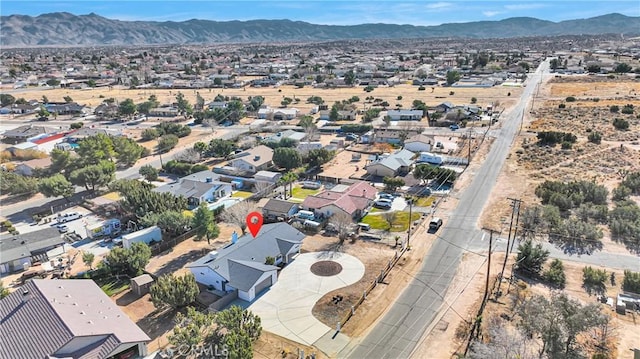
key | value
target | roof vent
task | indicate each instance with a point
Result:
(26, 295)
(256, 158)
(89, 321)
(76, 304)
(68, 295)
(82, 312)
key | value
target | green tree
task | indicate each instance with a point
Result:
(171, 222)
(76, 125)
(53, 82)
(531, 258)
(7, 99)
(87, 259)
(167, 142)
(174, 291)
(204, 223)
(128, 152)
(16, 184)
(622, 68)
(371, 114)
(288, 179)
(287, 158)
(43, 112)
(4, 292)
(128, 261)
(318, 157)
(139, 200)
(94, 149)
(150, 134)
(593, 68)
(269, 260)
(349, 78)
(127, 108)
(453, 76)
(45, 99)
(95, 176)
(236, 319)
(555, 274)
(149, 172)
(60, 160)
(306, 121)
(193, 328)
(391, 184)
(315, 100)
(219, 147)
(144, 107)
(67, 99)
(183, 105)
(593, 280)
(631, 282)
(621, 124)
(56, 186)
(91, 83)
(334, 115)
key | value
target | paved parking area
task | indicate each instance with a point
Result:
(286, 308)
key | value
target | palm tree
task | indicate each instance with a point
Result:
(288, 179)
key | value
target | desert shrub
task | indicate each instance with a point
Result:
(570, 99)
(627, 109)
(631, 282)
(555, 274)
(571, 194)
(614, 108)
(421, 88)
(632, 180)
(593, 280)
(621, 124)
(356, 128)
(474, 100)
(620, 193)
(562, 105)
(150, 134)
(566, 145)
(595, 137)
(182, 168)
(451, 93)
(553, 137)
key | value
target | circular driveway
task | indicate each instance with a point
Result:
(285, 309)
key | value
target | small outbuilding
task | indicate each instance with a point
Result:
(141, 284)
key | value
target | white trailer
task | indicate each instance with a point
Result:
(428, 157)
(147, 235)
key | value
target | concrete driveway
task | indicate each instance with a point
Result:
(285, 309)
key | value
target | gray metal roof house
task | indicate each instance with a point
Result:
(242, 266)
(66, 318)
(18, 252)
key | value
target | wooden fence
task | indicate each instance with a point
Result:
(167, 244)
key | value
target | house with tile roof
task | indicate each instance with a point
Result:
(242, 266)
(397, 163)
(66, 318)
(352, 200)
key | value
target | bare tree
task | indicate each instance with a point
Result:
(504, 341)
(237, 214)
(189, 155)
(260, 187)
(211, 123)
(343, 224)
(390, 217)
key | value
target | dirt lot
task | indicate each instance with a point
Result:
(273, 96)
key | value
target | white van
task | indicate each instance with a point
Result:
(308, 215)
(435, 224)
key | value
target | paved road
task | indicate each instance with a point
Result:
(398, 332)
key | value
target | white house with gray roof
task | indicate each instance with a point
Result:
(66, 318)
(196, 190)
(18, 252)
(241, 265)
(254, 159)
(391, 165)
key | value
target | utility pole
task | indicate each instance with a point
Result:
(486, 288)
(469, 156)
(410, 200)
(515, 232)
(514, 203)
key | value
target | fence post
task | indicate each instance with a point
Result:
(338, 327)
(364, 294)
(353, 310)
(381, 275)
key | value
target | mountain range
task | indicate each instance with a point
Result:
(65, 29)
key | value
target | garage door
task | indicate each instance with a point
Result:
(263, 285)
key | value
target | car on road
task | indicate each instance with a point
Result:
(388, 196)
(68, 217)
(117, 241)
(382, 203)
(435, 224)
(351, 137)
(62, 228)
(454, 127)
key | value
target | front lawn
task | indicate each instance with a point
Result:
(424, 201)
(115, 286)
(302, 193)
(400, 221)
(241, 194)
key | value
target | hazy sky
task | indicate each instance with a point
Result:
(329, 11)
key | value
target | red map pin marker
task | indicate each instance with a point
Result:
(254, 223)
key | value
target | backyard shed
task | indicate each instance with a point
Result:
(141, 284)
